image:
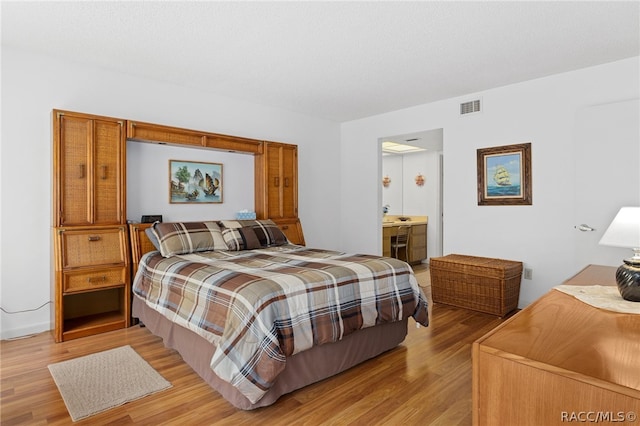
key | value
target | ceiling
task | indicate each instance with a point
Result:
(335, 60)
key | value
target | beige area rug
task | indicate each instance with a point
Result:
(95, 383)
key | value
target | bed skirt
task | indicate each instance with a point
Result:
(302, 369)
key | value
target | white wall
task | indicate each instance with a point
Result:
(392, 193)
(33, 85)
(540, 111)
(148, 185)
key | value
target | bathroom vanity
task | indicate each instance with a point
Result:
(417, 244)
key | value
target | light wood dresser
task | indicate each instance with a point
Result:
(560, 361)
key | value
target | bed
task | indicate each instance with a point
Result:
(257, 317)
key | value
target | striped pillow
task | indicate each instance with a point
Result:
(188, 237)
(240, 239)
(266, 231)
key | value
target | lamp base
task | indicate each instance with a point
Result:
(628, 280)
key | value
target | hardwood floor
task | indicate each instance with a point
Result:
(424, 381)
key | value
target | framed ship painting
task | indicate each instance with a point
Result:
(504, 175)
(194, 182)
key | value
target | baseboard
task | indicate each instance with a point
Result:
(20, 333)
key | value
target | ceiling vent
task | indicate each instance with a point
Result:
(470, 107)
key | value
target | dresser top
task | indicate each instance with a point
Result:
(559, 332)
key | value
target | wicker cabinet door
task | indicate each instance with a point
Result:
(93, 246)
(273, 181)
(108, 165)
(276, 181)
(289, 155)
(281, 180)
(88, 170)
(73, 178)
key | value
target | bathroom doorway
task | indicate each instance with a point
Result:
(412, 170)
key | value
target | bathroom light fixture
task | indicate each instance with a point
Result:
(399, 148)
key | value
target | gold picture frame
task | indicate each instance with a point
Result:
(504, 175)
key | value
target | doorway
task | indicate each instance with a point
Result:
(420, 155)
(606, 149)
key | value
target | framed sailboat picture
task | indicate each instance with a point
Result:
(504, 175)
(195, 182)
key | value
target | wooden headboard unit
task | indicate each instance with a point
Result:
(140, 244)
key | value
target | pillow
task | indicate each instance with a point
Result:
(152, 237)
(240, 238)
(267, 232)
(188, 237)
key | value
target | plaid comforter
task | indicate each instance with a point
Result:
(260, 306)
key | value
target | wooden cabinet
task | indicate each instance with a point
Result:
(387, 234)
(92, 280)
(89, 171)
(418, 243)
(559, 360)
(148, 132)
(292, 229)
(140, 244)
(91, 243)
(417, 250)
(276, 178)
(276, 188)
(91, 248)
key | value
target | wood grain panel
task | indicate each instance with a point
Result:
(148, 132)
(140, 244)
(514, 393)
(557, 358)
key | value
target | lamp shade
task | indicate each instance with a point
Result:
(624, 231)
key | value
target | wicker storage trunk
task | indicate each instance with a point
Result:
(479, 283)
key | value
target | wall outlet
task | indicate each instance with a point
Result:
(528, 273)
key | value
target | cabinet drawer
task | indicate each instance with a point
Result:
(94, 279)
(88, 247)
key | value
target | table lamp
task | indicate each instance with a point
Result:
(624, 231)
